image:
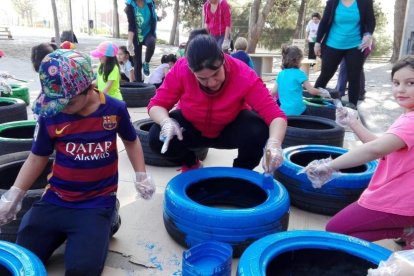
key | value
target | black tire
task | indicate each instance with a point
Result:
(154, 158)
(303, 130)
(10, 165)
(12, 109)
(320, 108)
(16, 136)
(137, 94)
(334, 195)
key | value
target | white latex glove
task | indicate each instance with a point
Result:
(319, 172)
(324, 93)
(366, 42)
(144, 184)
(7, 90)
(272, 156)
(130, 48)
(345, 116)
(169, 129)
(226, 44)
(10, 204)
(317, 49)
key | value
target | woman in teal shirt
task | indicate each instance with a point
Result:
(345, 31)
(142, 24)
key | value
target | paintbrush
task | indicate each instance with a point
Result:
(268, 182)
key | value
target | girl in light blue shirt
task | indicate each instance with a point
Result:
(289, 84)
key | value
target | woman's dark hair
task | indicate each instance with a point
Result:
(407, 61)
(169, 58)
(125, 50)
(106, 68)
(204, 53)
(291, 57)
(194, 33)
(39, 52)
(316, 14)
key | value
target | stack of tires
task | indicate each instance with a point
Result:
(228, 205)
(20, 92)
(137, 94)
(16, 136)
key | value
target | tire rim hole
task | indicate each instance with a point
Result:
(317, 262)
(18, 132)
(226, 193)
(8, 175)
(307, 124)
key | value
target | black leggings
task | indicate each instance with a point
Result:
(149, 42)
(248, 133)
(331, 58)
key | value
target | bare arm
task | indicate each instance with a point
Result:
(30, 171)
(158, 114)
(277, 129)
(274, 90)
(310, 88)
(107, 86)
(131, 75)
(362, 132)
(372, 150)
(135, 154)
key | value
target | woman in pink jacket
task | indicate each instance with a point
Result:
(217, 20)
(221, 104)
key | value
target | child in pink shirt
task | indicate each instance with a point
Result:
(386, 208)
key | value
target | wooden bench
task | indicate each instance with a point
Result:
(5, 33)
(263, 63)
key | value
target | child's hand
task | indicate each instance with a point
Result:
(324, 93)
(7, 90)
(144, 184)
(317, 49)
(319, 172)
(345, 116)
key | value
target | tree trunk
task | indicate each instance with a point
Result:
(115, 19)
(299, 23)
(399, 16)
(175, 23)
(56, 23)
(256, 22)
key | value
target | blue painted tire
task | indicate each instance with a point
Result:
(194, 213)
(334, 195)
(275, 253)
(20, 261)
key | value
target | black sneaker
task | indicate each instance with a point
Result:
(361, 97)
(116, 219)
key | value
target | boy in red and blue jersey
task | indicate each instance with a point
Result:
(81, 125)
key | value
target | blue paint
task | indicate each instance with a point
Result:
(156, 263)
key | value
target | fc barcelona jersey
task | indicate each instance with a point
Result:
(85, 171)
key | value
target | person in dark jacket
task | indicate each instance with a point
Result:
(142, 25)
(345, 31)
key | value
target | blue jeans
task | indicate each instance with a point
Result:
(86, 231)
(343, 79)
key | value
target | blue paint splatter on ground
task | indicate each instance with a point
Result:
(156, 263)
(150, 246)
(177, 273)
(174, 260)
